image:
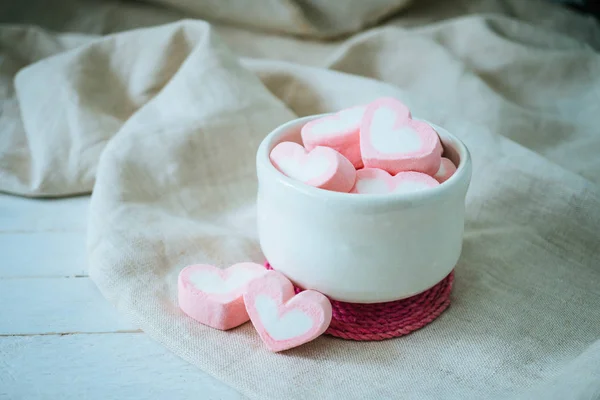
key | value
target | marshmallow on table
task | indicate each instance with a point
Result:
(284, 320)
(340, 132)
(391, 140)
(322, 167)
(214, 296)
(446, 170)
(378, 181)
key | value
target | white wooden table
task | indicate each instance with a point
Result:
(59, 338)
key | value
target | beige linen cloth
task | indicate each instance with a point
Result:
(162, 123)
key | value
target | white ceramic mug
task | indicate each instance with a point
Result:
(360, 248)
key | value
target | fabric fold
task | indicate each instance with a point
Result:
(162, 124)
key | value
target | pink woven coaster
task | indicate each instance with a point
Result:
(379, 321)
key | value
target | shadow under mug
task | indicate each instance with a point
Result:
(360, 248)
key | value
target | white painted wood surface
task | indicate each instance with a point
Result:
(56, 254)
(56, 305)
(59, 338)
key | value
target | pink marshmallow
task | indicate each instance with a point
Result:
(284, 320)
(322, 167)
(340, 132)
(391, 140)
(446, 170)
(214, 296)
(378, 181)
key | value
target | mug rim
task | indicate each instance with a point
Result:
(264, 164)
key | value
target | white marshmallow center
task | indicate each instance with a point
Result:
(385, 139)
(292, 324)
(371, 186)
(348, 119)
(313, 167)
(442, 171)
(212, 283)
(410, 186)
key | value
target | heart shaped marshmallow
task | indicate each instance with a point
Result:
(340, 132)
(446, 170)
(322, 167)
(378, 181)
(391, 140)
(284, 320)
(214, 296)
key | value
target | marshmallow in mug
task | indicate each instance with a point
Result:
(340, 131)
(446, 170)
(322, 167)
(381, 135)
(378, 181)
(391, 140)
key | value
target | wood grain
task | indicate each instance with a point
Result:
(115, 366)
(38, 215)
(59, 338)
(38, 254)
(56, 305)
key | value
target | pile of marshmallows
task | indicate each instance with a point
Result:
(227, 298)
(371, 149)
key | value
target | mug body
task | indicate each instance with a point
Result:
(360, 248)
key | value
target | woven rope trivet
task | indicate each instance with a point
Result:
(379, 321)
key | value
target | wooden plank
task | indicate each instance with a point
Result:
(42, 237)
(61, 349)
(56, 305)
(18, 214)
(38, 254)
(109, 366)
